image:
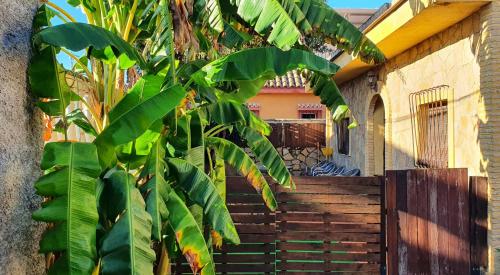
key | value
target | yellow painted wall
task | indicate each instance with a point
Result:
(465, 57)
(448, 58)
(282, 106)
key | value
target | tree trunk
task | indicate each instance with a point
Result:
(20, 144)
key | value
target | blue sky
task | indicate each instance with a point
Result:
(357, 3)
(334, 3)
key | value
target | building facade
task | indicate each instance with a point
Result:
(435, 102)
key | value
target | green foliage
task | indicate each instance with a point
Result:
(135, 121)
(152, 182)
(264, 150)
(250, 76)
(238, 159)
(189, 236)
(200, 188)
(125, 249)
(269, 18)
(72, 171)
(80, 36)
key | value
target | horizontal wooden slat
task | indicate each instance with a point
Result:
(328, 266)
(244, 199)
(256, 219)
(321, 227)
(330, 208)
(250, 248)
(332, 189)
(244, 258)
(329, 217)
(313, 272)
(348, 247)
(320, 198)
(333, 181)
(255, 228)
(353, 237)
(261, 238)
(356, 257)
(343, 213)
(248, 208)
(231, 267)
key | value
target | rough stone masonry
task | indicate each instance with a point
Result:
(20, 144)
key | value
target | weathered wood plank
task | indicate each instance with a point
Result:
(321, 198)
(402, 208)
(252, 218)
(392, 223)
(433, 232)
(421, 181)
(333, 236)
(329, 217)
(365, 267)
(479, 224)
(463, 207)
(443, 223)
(339, 189)
(344, 246)
(320, 227)
(319, 255)
(329, 208)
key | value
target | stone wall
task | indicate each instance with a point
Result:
(465, 57)
(297, 159)
(448, 58)
(20, 144)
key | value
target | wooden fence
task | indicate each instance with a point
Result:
(436, 222)
(297, 134)
(326, 225)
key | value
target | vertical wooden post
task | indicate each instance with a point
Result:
(478, 224)
(383, 228)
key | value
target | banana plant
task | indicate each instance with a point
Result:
(164, 80)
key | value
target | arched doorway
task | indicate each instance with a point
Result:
(376, 137)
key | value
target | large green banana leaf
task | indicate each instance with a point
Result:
(156, 190)
(339, 30)
(238, 159)
(264, 150)
(135, 121)
(135, 152)
(47, 77)
(189, 236)
(268, 17)
(225, 112)
(80, 36)
(201, 190)
(330, 95)
(251, 68)
(71, 183)
(125, 249)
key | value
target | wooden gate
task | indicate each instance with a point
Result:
(436, 222)
(329, 224)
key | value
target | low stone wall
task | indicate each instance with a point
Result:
(297, 159)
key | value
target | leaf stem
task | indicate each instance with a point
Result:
(130, 20)
(61, 10)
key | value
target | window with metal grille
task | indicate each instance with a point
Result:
(343, 136)
(429, 110)
(308, 115)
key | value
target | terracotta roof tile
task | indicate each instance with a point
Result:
(292, 79)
